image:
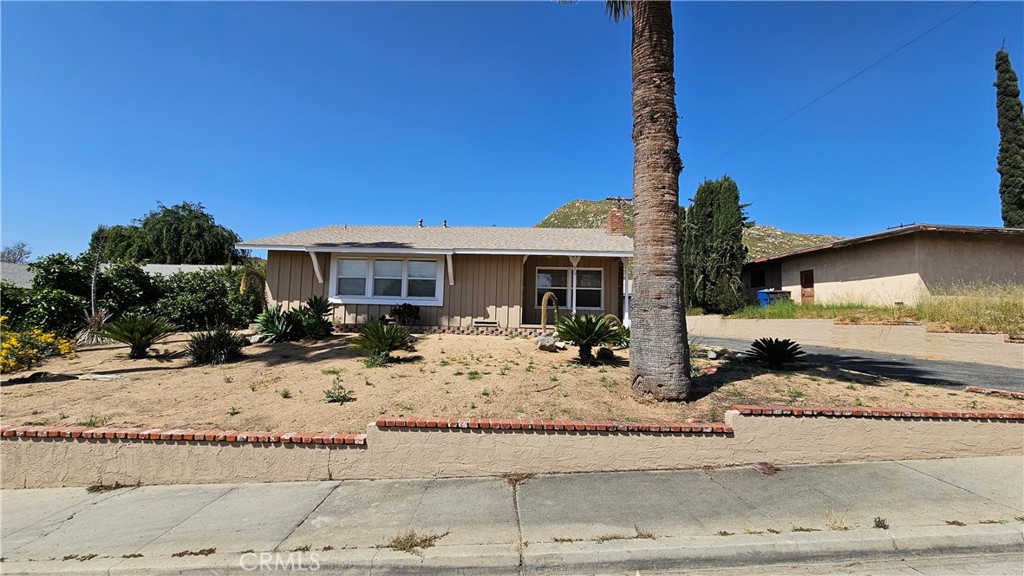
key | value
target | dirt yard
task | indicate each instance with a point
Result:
(281, 387)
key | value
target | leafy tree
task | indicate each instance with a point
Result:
(181, 234)
(659, 356)
(16, 253)
(713, 250)
(208, 299)
(1011, 142)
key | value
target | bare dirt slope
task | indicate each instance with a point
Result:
(450, 376)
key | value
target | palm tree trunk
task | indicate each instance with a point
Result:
(659, 359)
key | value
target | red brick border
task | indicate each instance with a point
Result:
(181, 434)
(533, 424)
(858, 412)
(994, 392)
(461, 330)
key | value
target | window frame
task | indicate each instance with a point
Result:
(404, 298)
(570, 289)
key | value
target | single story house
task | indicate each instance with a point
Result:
(900, 265)
(463, 279)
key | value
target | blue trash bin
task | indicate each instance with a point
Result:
(764, 297)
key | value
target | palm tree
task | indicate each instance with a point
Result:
(659, 358)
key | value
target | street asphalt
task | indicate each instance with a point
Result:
(907, 368)
(606, 523)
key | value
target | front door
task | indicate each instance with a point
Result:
(807, 286)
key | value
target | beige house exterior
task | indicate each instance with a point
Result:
(901, 265)
(465, 278)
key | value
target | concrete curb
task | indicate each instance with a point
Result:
(584, 557)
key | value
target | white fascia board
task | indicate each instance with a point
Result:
(607, 254)
(434, 251)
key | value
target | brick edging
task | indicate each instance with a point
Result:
(180, 434)
(538, 425)
(859, 412)
(995, 392)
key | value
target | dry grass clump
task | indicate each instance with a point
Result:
(976, 308)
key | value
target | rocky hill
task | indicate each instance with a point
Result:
(760, 240)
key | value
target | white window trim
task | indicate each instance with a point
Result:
(437, 300)
(571, 288)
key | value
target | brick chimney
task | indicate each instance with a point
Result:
(616, 222)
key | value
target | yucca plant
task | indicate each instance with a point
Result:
(378, 340)
(586, 331)
(139, 331)
(94, 323)
(775, 352)
(215, 347)
(275, 325)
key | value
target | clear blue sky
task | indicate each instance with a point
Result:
(281, 117)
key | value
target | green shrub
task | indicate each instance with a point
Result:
(13, 304)
(139, 331)
(215, 346)
(406, 314)
(775, 352)
(275, 325)
(209, 298)
(54, 310)
(62, 272)
(586, 331)
(378, 340)
(125, 287)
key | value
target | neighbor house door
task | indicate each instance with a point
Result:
(807, 286)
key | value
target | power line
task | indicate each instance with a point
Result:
(836, 87)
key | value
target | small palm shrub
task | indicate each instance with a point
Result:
(215, 346)
(586, 332)
(94, 323)
(378, 340)
(775, 352)
(139, 331)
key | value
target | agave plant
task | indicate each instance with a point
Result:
(586, 331)
(275, 325)
(310, 319)
(775, 352)
(378, 340)
(139, 331)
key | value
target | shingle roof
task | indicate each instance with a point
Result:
(892, 232)
(17, 274)
(464, 239)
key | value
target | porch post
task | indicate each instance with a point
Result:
(575, 260)
(626, 287)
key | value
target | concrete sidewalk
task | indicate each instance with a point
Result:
(578, 523)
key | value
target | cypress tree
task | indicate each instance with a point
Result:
(1011, 142)
(713, 247)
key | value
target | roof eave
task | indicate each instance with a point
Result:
(435, 251)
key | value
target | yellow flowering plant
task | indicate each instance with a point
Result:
(21, 350)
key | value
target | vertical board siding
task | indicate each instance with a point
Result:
(611, 279)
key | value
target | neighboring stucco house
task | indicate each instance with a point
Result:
(898, 265)
(463, 279)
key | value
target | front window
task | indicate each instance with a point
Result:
(588, 293)
(352, 277)
(422, 279)
(387, 278)
(554, 281)
(387, 281)
(588, 289)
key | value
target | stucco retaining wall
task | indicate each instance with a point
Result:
(908, 340)
(452, 448)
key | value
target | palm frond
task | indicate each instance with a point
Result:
(619, 10)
